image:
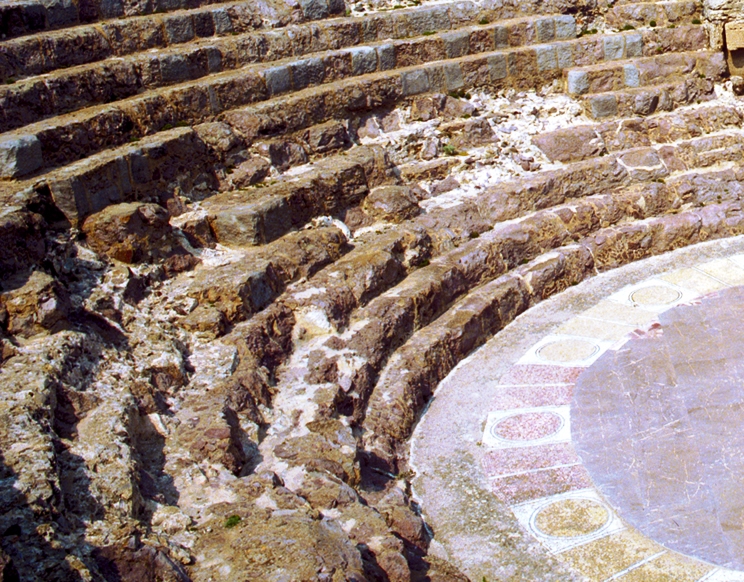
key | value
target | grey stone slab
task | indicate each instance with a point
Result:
(363, 60)
(19, 155)
(614, 47)
(307, 72)
(178, 28)
(453, 76)
(315, 9)
(633, 46)
(603, 106)
(386, 57)
(546, 58)
(415, 82)
(222, 23)
(565, 27)
(545, 29)
(564, 54)
(174, 68)
(277, 79)
(497, 67)
(632, 76)
(60, 12)
(456, 44)
(500, 37)
(577, 82)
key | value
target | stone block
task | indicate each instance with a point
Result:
(614, 48)
(315, 9)
(363, 60)
(111, 8)
(545, 29)
(564, 54)
(546, 58)
(203, 24)
(307, 72)
(497, 67)
(633, 46)
(577, 82)
(60, 12)
(415, 82)
(565, 27)
(178, 28)
(603, 106)
(456, 44)
(174, 68)
(500, 37)
(19, 155)
(453, 76)
(277, 79)
(222, 23)
(386, 57)
(632, 76)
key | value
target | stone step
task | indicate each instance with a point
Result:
(641, 72)
(431, 291)
(71, 137)
(24, 17)
(648, 100)
(407, 383)
(260, 215)
(239, 288)
(582, 142)
(45, 52)
(654, 14)
(118, 78)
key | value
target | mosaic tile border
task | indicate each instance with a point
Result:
(540, 469)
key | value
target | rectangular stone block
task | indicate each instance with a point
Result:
(307, 72)
(614, 48)
(178, 28)
(415, 82)
(565, 27)
(315, 9)
(453, 76)
(386, 57)
(633, 46)
(222, 22)
(545, 29)
(500, 37)
(564, 54)
(19, 155)
(546, 58)
(456, 44)
(497, 67)
(577, 82)
(603, 106)
(277, 79)
(363, 60)
(174, 68)
(632, 76)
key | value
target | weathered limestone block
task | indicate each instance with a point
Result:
(570, 144)
(37, 305)
(391, 203)
(132, 232)
(19, 156)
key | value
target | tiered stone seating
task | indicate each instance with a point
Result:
(308, 260)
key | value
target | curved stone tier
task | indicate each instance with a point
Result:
(241, 243)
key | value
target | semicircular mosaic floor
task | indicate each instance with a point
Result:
(608, 422)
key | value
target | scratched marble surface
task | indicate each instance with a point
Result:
(659, 426)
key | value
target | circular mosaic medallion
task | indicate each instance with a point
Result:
(655, 295)
(567, 350)
(570, 518)
(528, 426)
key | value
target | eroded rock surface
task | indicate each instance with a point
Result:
(241, 245)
